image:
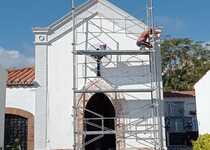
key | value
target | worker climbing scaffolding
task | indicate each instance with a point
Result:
(144, 38)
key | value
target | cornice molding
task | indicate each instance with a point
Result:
(41, 30)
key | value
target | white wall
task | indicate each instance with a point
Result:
(54, 73)
(60, 84)
(41, 109)
(202, 90)
(60, 94)
(3, 77)
(21, 98)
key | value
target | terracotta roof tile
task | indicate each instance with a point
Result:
(21, 77)
(179, 94)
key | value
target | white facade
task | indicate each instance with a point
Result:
(3, 78)
(21, 98)
(202, 88)
(51, 99)
(54, 71)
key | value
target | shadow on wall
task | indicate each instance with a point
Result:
(123, 74)
(137, 109)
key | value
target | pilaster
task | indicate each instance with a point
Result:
(41, 78)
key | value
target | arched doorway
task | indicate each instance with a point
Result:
(15, 132)
(99, 123)
(19, 126)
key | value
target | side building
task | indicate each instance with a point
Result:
(3, 77)
(180, 119)
(202, 90)
(20, 106)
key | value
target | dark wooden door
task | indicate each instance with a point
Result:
(15, 132)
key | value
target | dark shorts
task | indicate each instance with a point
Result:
(141, 43)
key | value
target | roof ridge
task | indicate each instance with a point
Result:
(21, 68)
(79, 8)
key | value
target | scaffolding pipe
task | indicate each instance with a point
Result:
(74, 75)
(157, 68)
(153, 128)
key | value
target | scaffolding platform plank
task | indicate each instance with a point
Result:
(140, 131)
(115, 90)
(113, 52)
(99, 132)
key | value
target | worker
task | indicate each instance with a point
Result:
(144, 37)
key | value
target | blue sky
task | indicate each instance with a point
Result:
(180, 18)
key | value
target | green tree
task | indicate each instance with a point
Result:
(184, 62)
(202, 143)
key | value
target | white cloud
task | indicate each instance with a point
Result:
(13, 58)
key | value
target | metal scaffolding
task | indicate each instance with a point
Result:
(123, 75)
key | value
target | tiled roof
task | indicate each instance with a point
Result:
(179, 94)
(21, 77)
